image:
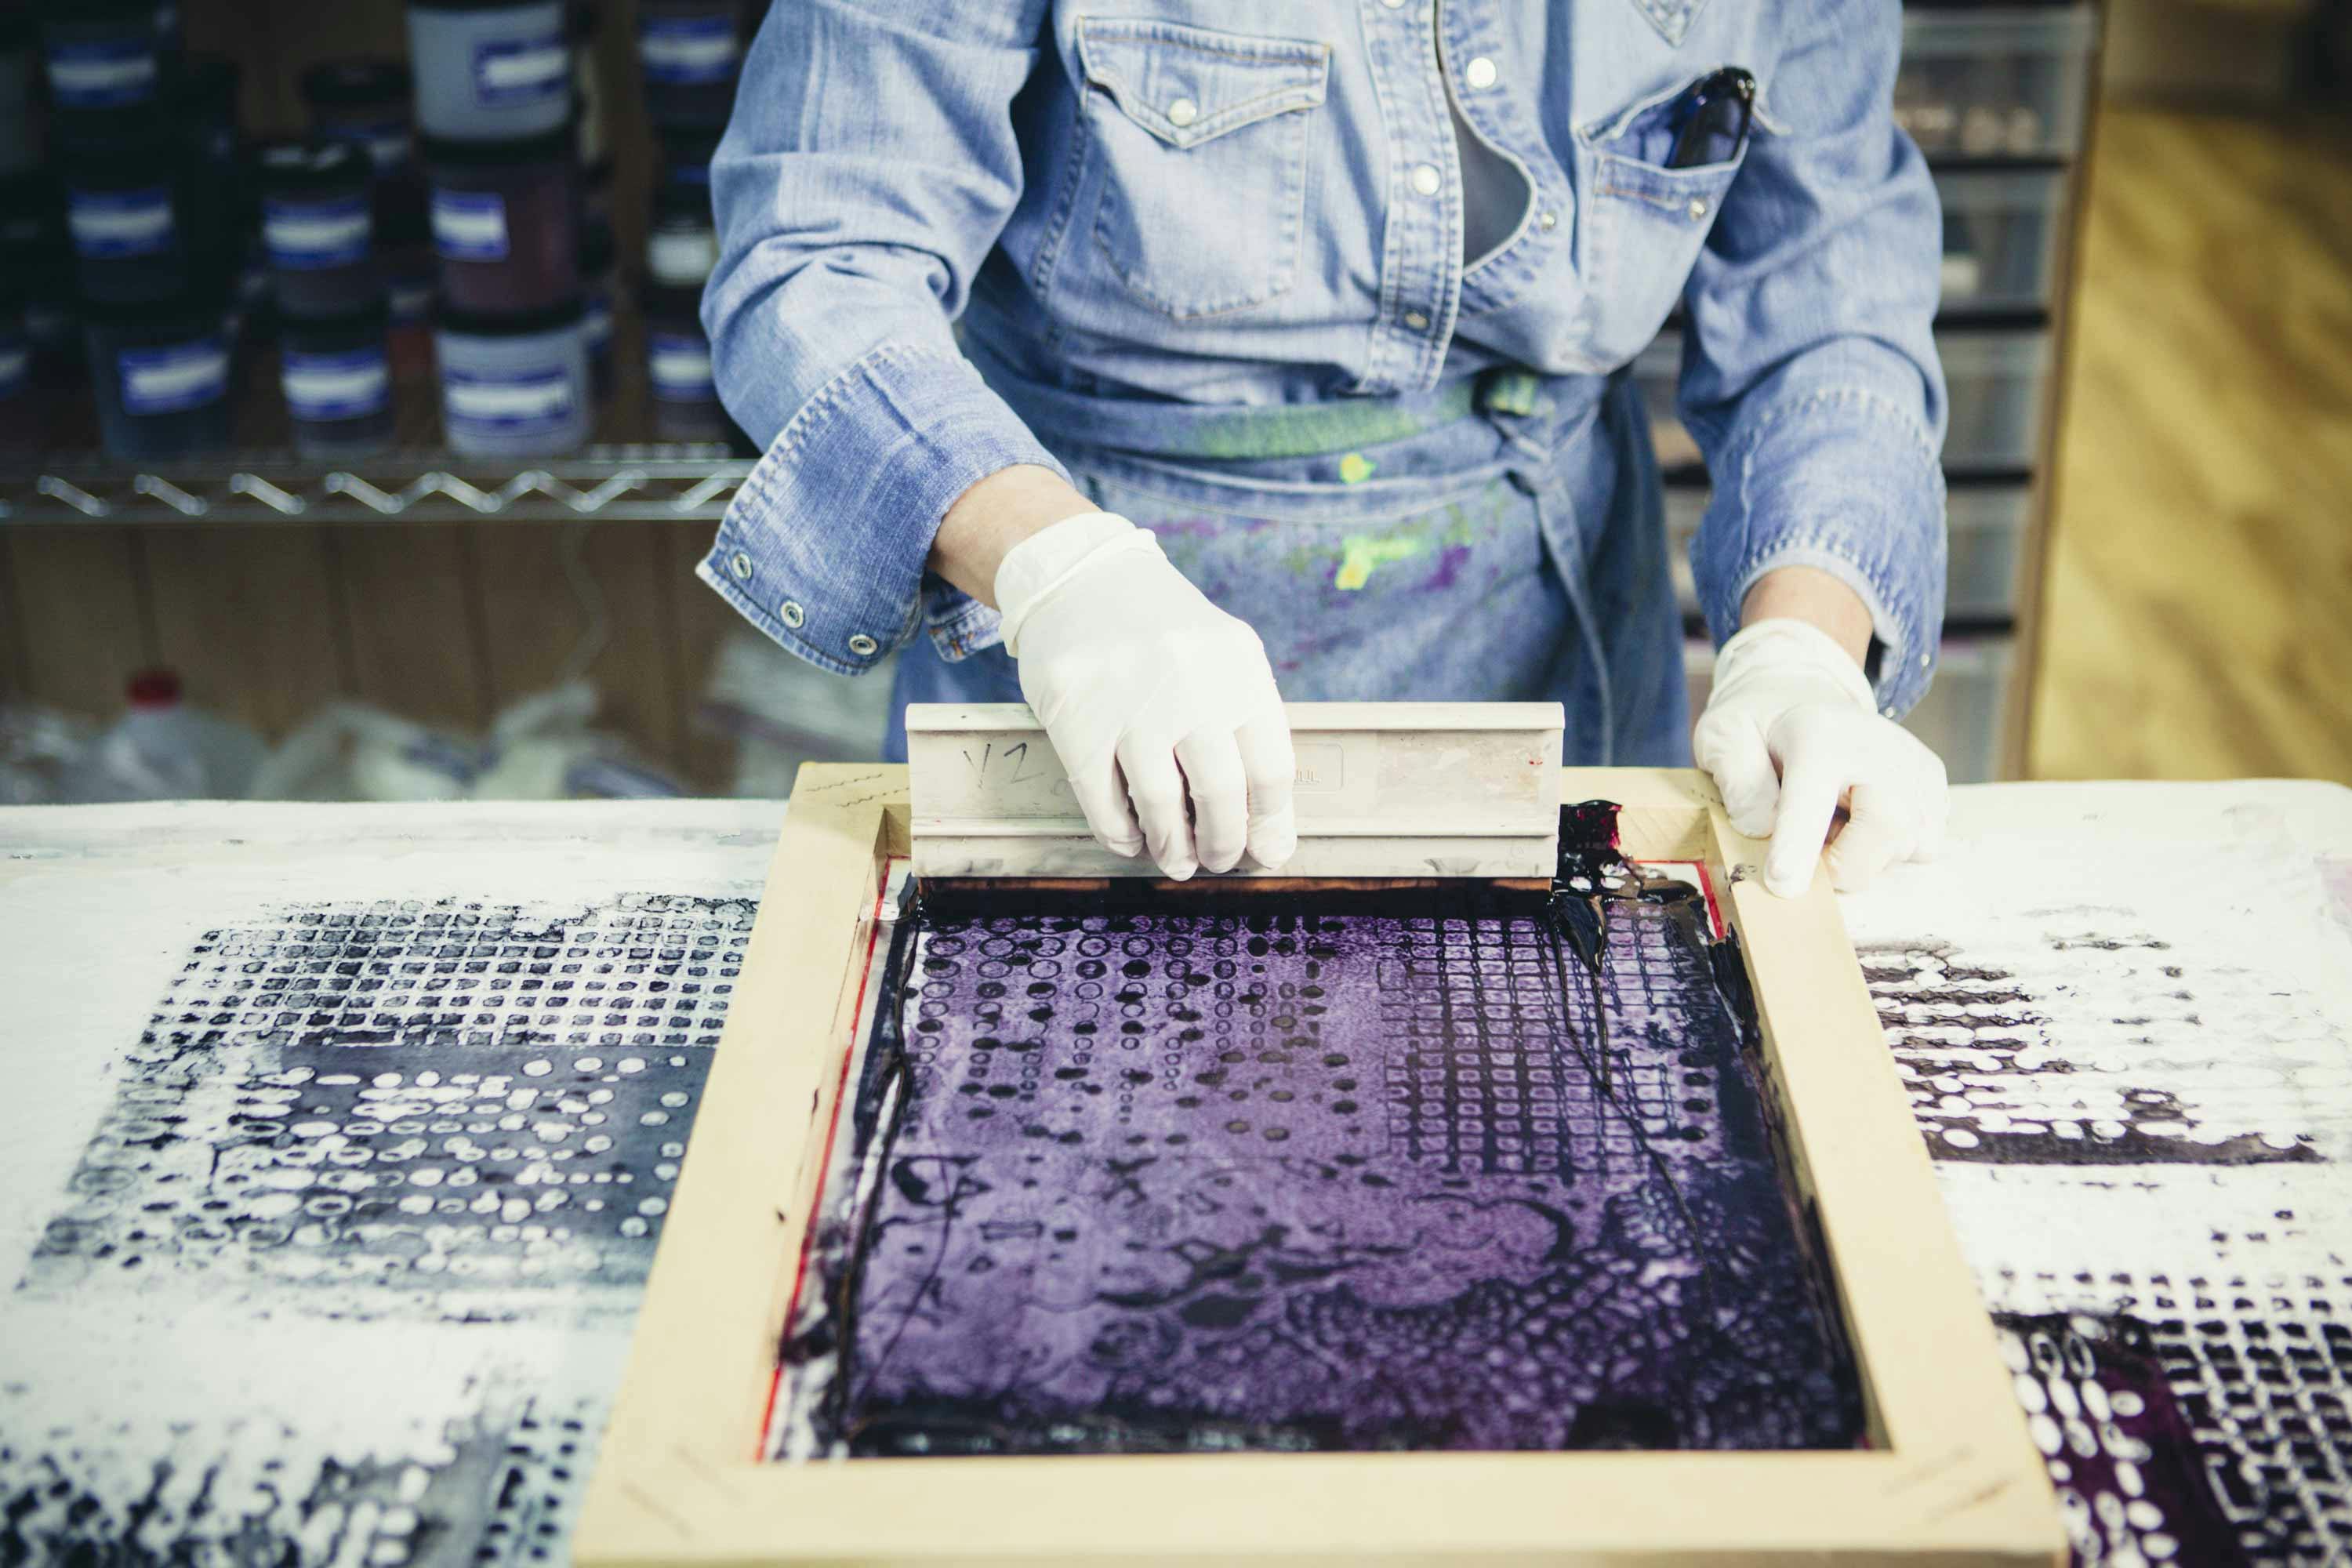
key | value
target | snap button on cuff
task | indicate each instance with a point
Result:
(791, 614)
(1547, 221)
(1697, 208)
(862, 646)
(1415, 319)
(741, 564)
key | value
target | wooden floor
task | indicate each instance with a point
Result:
(2198, 601)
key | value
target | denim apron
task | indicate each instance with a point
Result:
(1501, 539)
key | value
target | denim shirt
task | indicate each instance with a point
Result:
(1245, 203)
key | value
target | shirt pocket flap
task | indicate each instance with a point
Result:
(1190, 85)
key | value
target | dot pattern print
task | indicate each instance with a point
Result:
(421, 1096)
(351, 1137)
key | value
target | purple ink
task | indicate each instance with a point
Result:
(1337, 1170)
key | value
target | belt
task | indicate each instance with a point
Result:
(1060, 418)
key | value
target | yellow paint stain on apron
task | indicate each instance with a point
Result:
(1355, 469)
(1359, 557)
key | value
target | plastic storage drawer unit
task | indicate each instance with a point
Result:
(1998, 379)
(1962, 719)
(1986, 531)
(2000, 237)
(1999, 81)
(1657, 370)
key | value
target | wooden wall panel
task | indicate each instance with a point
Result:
(412, 594)
(701, 620)
(15, 679)
(547, 591)
(251, 618)
(86, 622)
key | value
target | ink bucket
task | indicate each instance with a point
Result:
(318, 226)
(103, 55)
(364, 101)
(122, 211)
(160, 372)
(491, 69)
(514, 385)
(506, 222)
(337, 378)
(689, 53)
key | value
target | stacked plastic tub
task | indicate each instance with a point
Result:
(498, 111)
(690, 57)
(116, 239)
(1995, 97)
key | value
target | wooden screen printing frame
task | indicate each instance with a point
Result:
(1951, 1476)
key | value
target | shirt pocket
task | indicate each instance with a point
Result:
(1644, 223)
(1203, 137)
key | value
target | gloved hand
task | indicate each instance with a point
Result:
(1151, 695)
(1789, 728)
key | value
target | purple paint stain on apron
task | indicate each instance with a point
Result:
(1450, 562)
(1333, 1172)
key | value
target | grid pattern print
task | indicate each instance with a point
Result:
(417, 1094)
(1508, 1055)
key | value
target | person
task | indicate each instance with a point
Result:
(1292, 360)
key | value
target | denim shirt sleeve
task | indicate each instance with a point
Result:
(869, 168)
(1809, 378)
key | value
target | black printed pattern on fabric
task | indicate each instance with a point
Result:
(429, 1116)
(1987, 1085)
(1449, 1169)
(2192, 1414)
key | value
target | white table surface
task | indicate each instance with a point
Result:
(2125, 1010)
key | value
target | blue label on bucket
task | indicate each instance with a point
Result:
(106, 74)
(311, 235)
(352, 384)
(679, 366)
(509, 71)
(689, 51)
(470, 225)
(173, 379)
(507, 403)
(110, 225)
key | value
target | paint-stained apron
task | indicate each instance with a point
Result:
(1500, 540)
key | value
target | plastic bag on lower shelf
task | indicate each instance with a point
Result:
(38, 746)
(541, 747)
(782, 713)
(163, 749)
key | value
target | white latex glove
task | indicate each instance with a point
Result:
(1152, 695)
(1790, 727)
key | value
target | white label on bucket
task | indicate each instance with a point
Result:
(518, 70)
(470, 225)
(307, 236)
(683, 259)
(107, 224)
(102, 75)
(175, 379)
(507, 403)
(348, 385)
(688, 51)
(679, 368)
